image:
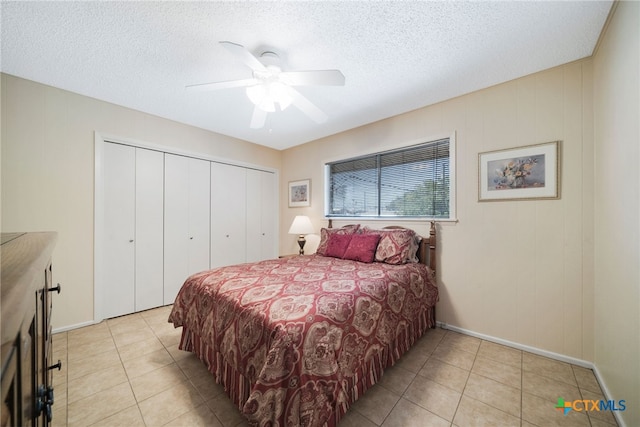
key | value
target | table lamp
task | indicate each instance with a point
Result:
(301, 225)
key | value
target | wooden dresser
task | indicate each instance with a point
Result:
(26, 282)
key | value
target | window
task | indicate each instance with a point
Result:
(411, 182)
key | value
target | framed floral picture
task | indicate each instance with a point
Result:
(300, 193)
(523, 173)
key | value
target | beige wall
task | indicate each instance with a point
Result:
(48, 173)
(617, 208)
(561, 276)
(519, 270)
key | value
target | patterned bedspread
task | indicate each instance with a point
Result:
(295, 341)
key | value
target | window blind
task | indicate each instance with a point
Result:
(409, 182)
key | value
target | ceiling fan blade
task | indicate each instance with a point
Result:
(258, 118)
(304, 105)
(222, 85)
(243, 54)
(309, 78)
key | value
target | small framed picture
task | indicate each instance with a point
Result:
(523, 173)
(300, 193)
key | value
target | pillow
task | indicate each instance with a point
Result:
(396, 246)
(326, 232)
(337, 245)
(362, 247)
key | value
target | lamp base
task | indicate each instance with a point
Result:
(301, 242)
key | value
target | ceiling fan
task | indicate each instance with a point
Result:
(269, 85)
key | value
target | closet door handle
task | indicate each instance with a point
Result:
(130, 240)
(56, 289)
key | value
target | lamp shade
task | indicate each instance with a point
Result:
(301, 225)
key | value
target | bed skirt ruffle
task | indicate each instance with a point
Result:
(238, 387)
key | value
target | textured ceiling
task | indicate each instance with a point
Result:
(397, 56)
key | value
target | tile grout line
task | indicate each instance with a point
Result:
(189, 380)
(128, 379)
(475, 357)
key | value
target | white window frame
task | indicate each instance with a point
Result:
(452, 182)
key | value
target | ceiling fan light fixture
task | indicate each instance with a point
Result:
(280, 94)
(265, 95)
(258, 96)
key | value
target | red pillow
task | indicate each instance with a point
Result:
(362, 247)
(337, 245)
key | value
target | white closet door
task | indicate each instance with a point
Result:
(186, 221)
(269, 217)
(176, 224)
(149, 229)
(228, 215)
(261, 204)
(118, 243)
(199, 215)
(254, 214)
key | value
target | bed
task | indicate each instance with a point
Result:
(296, 340)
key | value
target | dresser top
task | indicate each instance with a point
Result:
(7, 237)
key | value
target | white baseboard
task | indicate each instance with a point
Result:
(534, 350)
(607, 396)
(76, 326)
(540, 352)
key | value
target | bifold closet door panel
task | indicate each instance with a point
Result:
(228, 214)
(261, 205)
(176, 224)
(186, 221)
(199, 214)
(118, 246)
(269, 217)
(149, 220)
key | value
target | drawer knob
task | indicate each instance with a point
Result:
(56, 366)
(56, 289)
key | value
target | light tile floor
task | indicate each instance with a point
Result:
(128, 371)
